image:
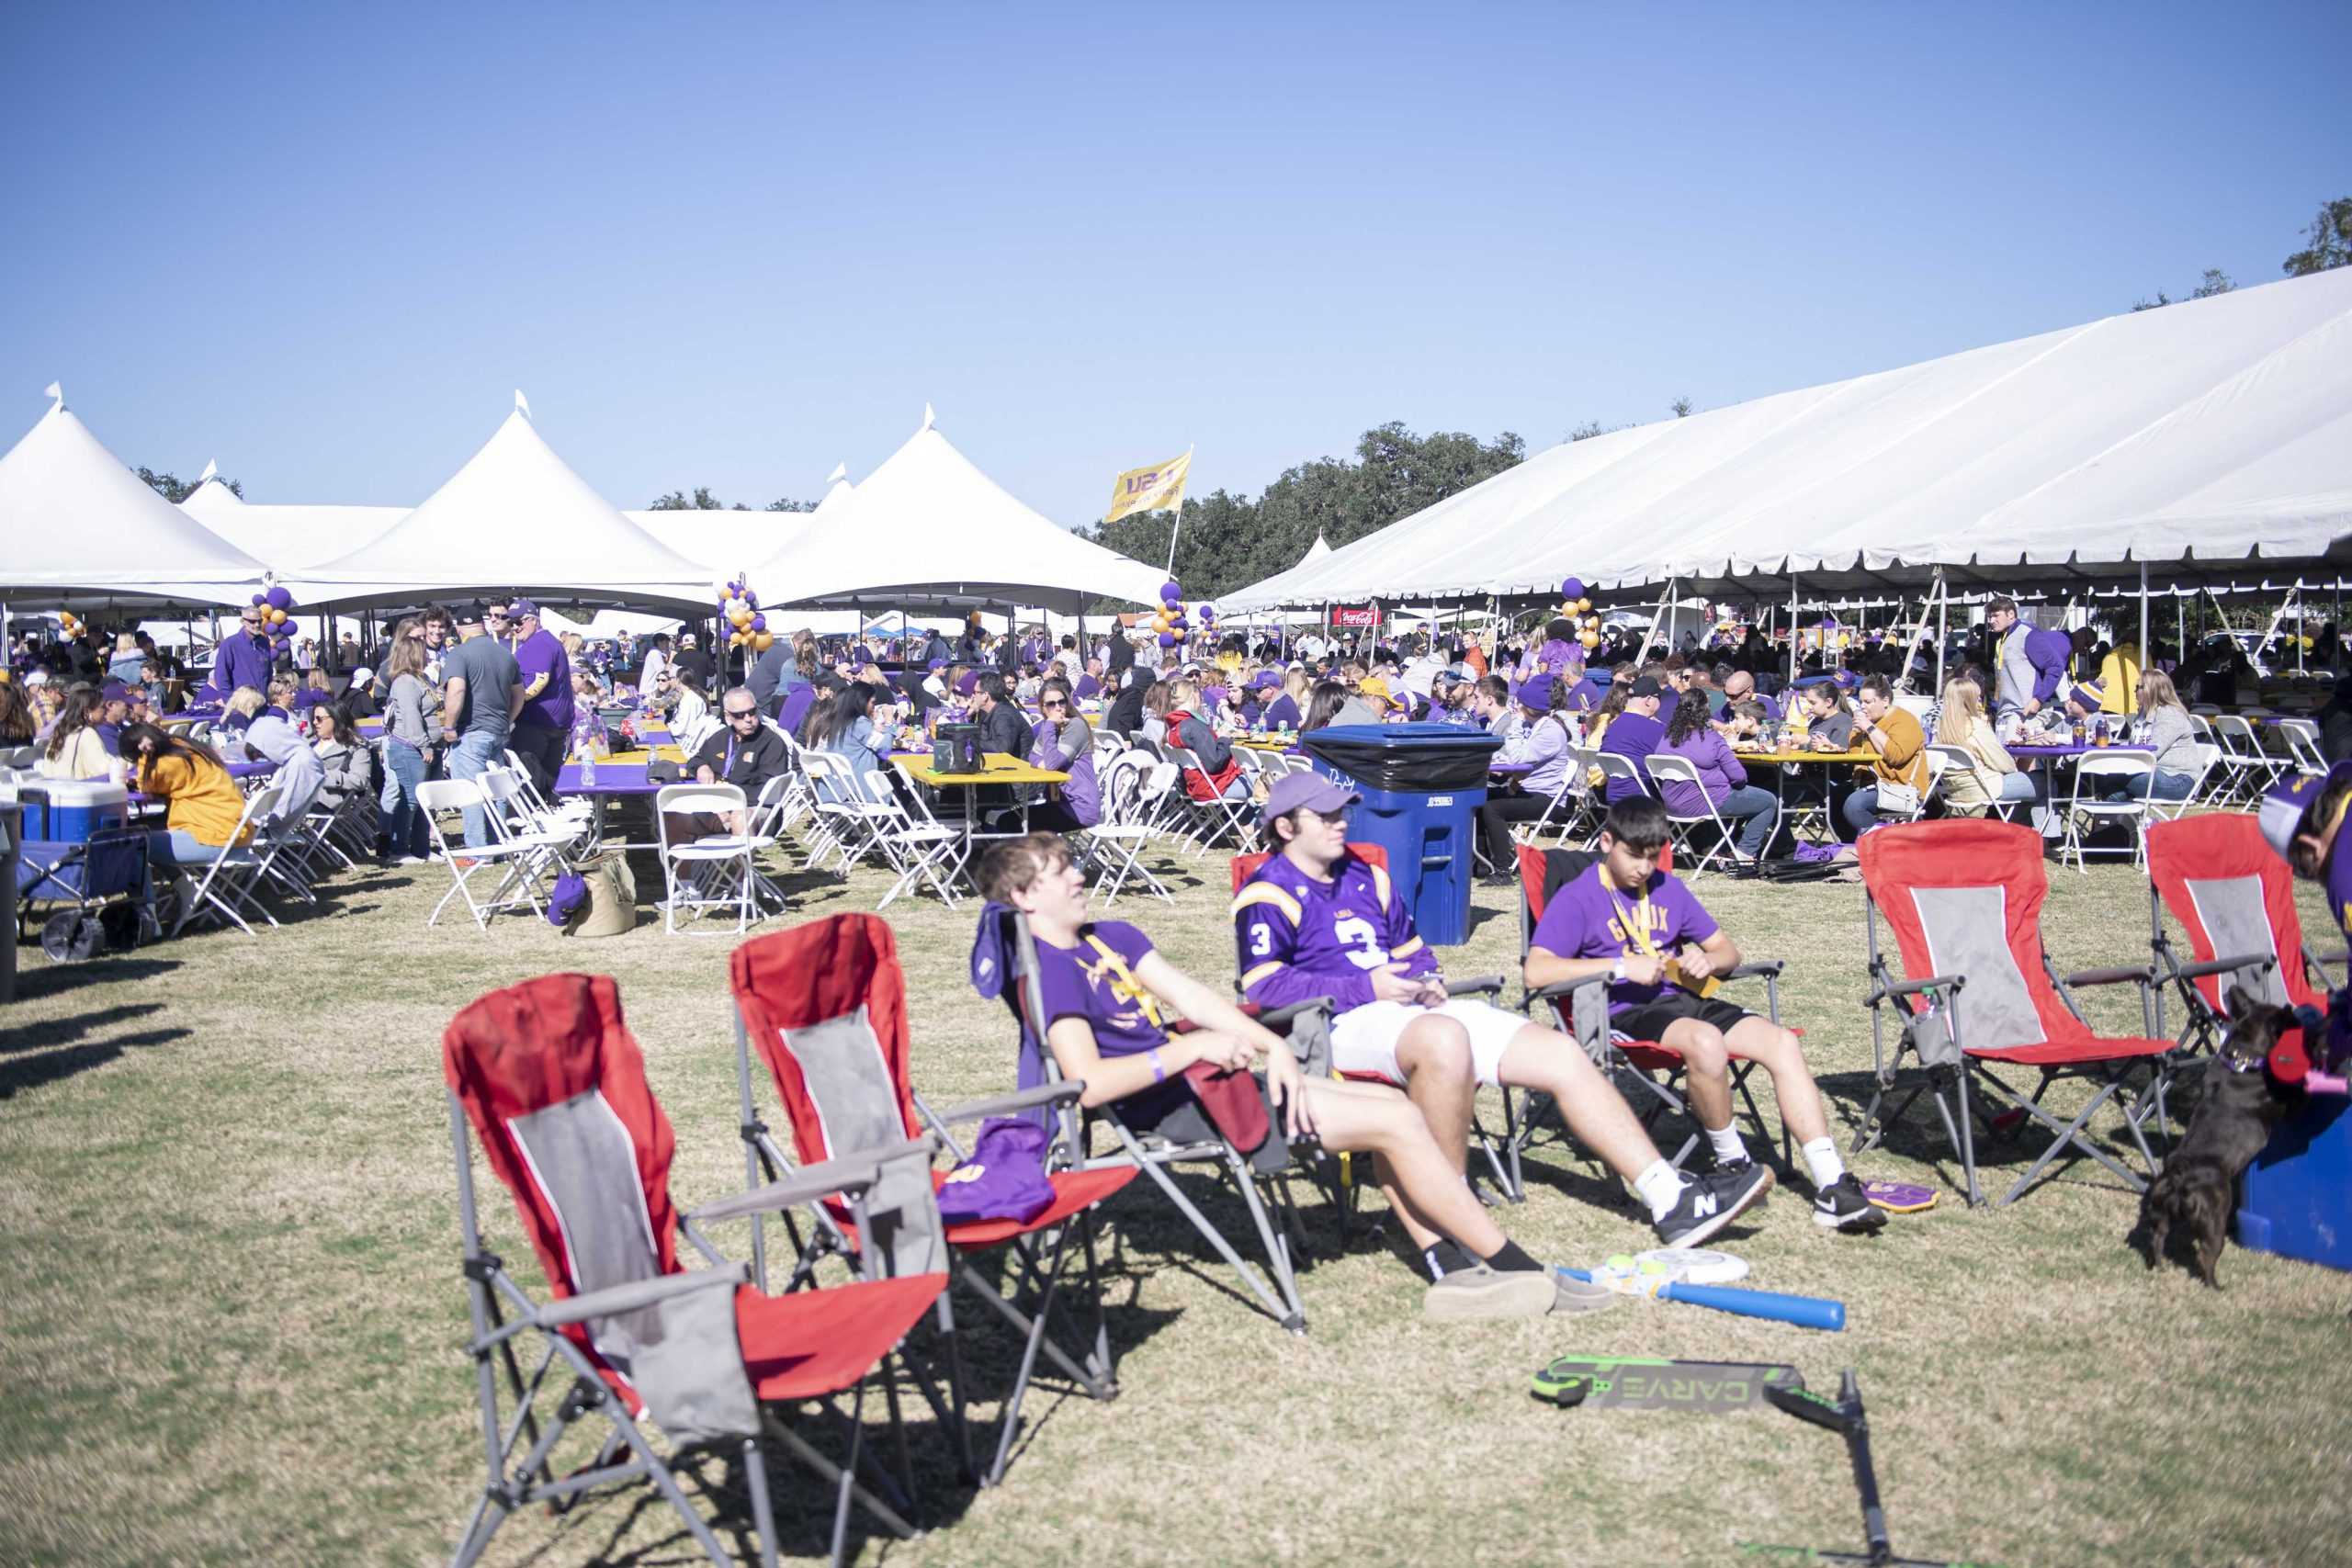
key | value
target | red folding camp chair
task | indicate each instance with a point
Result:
(1506, 1171)
(825, 1006)
(1581, 1011)
(1963, 898)
(554, 1087)
(2236, 898)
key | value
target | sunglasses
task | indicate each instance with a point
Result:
(1051, 702)
(743, 712)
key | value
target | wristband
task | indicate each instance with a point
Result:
(1158, 1072)
(1617, 970)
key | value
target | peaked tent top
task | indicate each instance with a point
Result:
(516, 518)
(928, 525)
(2209, 439)
(74, 518)
(288, 539)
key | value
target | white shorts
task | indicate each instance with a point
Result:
(1364, 1040)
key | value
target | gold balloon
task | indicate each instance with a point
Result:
(763, 641)
(1583, 605)
(1591, 640)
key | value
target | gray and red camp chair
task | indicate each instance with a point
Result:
(824, 1005)
(553, 1085)
(1506, 1171)
(1187, 1135)
(1579, 1008)
(2236, 898)
(1978, 994)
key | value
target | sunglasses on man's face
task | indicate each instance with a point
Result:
(743, 712)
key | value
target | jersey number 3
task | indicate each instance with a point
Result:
(1356, 935)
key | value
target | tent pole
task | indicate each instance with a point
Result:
(1944, 625)
(2133, 705)
(1793, 614)
(2299, 625)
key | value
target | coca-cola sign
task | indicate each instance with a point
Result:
(1342, 616)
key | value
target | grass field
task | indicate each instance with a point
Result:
(231, 1322)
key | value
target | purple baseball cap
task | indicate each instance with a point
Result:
(521, 607)
(968, 682)
(2287, 807)
(1535, 692)
(1309, 791)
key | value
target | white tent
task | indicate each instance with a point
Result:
(288, 539)
(928, 526)
(2208, 440)
(78, 527)
(514, 518)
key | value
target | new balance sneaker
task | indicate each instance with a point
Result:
(1710, 1202)
(1842, 1206)
(1479, 1292)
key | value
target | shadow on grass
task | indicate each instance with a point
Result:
(1917, 1133)
(55, 980)
(66, 1031)
(21, 1073)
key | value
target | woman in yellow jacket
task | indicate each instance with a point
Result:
(1902, 748)
(205, 809)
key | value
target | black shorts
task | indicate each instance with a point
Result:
(1649, 1021)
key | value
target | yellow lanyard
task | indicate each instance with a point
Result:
(1124, 987)
(1635, 919)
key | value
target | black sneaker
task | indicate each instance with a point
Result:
(1840, 1206)
(1710, 1202)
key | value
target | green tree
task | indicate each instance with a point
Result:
(679, 501)
(173, 488)
(1587, 429)
(2331, 240)
(789, 504)
(1681, 407)
(1227, 540)
(2215, 281)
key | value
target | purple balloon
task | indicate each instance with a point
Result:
(281, 599)
(752, 598)
(759, 622)
(1573, 588)
(1169, 590)
(1167, 639)
(259, 600)
(1208, 613)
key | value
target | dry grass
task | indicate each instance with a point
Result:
(231, 1322)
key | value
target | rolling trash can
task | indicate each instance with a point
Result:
(1423, 786)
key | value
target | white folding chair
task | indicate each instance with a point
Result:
(1950, 760)
(2204, 758)
(2303, 741)
(918, 845)
(506, 808)
(844, 824)
(2095, 771)
(1683, 827)
(1115, 845)
(1215, 819)
(228, 883)
(508, 861)
(1572, 810)
(2248, 769)
(706, 874)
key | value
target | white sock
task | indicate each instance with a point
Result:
(1821, 1158)
(1726, 1143)
(1659, 1184)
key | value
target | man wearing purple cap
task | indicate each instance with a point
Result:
(242, 659)
(1317, 921)
(543, 729)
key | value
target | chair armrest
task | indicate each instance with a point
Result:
(2114, 976)
(2224, 965)
(851, 1173)
(1559, 988)
(2321, 960)
(1913, 987)
(1064, 1093)
(1476, 986)
(1749, 971)
(1281, 1018)
(630, 1297)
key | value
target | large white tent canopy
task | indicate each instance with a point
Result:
(78, 527)
(288, 539)
(516, 517)
(928, 526)
(2211, 439)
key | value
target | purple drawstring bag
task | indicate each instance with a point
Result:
(1003, 1179)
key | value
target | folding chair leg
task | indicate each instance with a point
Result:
(755, 1479)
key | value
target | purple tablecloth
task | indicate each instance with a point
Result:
(2071, 749)
(612, 778)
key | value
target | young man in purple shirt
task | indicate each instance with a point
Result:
(1625, 920)
(1315, 921)
(1105, 995)
(1635, 734)
(543, 729)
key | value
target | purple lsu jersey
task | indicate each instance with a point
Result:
(1300, 937)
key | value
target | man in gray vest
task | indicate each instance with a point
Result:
(2028, 664)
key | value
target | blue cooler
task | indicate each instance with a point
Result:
(2299, 1189)
(72, 811)
(1423, 786)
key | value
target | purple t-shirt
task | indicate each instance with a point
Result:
(1590, 919)
(1633, 735)
(539, 654)
(1101, 988)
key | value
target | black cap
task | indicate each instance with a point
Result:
(470, 613)
(1643, 686)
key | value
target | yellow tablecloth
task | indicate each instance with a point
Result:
(1864, 755)
(998, 768)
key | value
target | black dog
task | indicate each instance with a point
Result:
(2196, 1192)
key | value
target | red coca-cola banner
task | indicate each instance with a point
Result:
(1342, 616)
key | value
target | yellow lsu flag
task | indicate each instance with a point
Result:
(1156, 488)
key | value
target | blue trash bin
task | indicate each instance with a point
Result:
(1423, 786)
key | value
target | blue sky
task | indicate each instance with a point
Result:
(732, 244)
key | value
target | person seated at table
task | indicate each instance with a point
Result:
(1991, 775)
(1063, 742)
(1004, 729)
(1747, 726)
(1633, 734)
(1538, 760)
(1900, 760)
(1288, 708)
(1090, 683)
(1317, 921)
(2166, 730)
(346, 761)
(684, 708)
(17, 725)
(1107, 995)
(745, 753)
(857, 723)
(1627, 920)
(1220, 772)
(1751, 811)
(203, 807)
(1491, 705)
(273, 737)
(1324, 703)
(359, 695)
(74, 749)
(1449, 691)
(237, 713)
(1829, 719)
(1739, 687)
(125, 662)
(1155, 712)
(1595, 723)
